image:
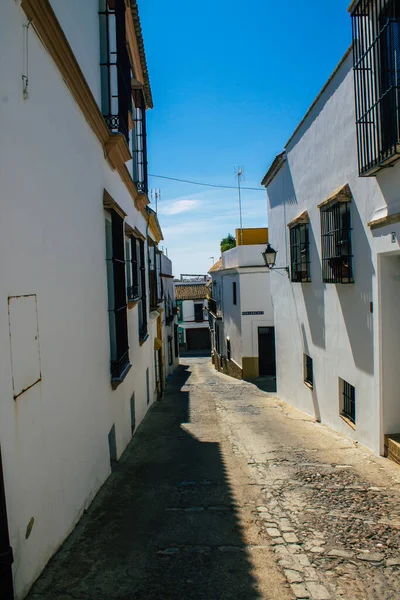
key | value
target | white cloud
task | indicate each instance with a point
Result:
(178, 206)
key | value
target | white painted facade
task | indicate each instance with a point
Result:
(53, 300)
(351, 331)
(170, 319)
(187, 310)
(245, 267)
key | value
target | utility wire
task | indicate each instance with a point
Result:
(227, 187)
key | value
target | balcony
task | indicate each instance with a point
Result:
(133, 293)
(214, 309)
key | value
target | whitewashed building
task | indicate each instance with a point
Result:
(334, 218)
(191, 302)
(241, 311)
(170, 319)
(79, 308)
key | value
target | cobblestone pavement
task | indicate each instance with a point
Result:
(228, 493)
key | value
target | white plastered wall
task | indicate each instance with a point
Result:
(52, 170)
(333, 323)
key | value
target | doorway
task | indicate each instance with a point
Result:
(266, 352)
(6, 555)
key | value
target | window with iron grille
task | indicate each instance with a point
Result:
(234, 292)
(347, 400)
(117, 305)
(300, 253)
(139, 142)
(228, 348)
(115, 67)
(308, 370)
(198, 312)
(337, 255)
(376, 54)
(133, 271)
(179, 305)
(176, 340)
(143, 334)
(170, 359)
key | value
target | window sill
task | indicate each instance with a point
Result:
(143, 339)
(116, 381)
(308, 384)
(349, 423)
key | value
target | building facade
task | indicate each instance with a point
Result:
(170, 320)
(334, 217)
(191, 303)
(80, 300)
(240, 309)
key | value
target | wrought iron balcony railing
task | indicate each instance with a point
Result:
(133, 293)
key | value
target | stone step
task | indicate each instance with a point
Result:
(392, 447)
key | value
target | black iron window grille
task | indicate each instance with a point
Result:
(336, 243)
(308, 370)
(115, 67)
(142, 292)
(117, 305)
(376, 54)
(170, 359)
(176, 340)
(234, 292)
(348, 401)
(133, 287)
(228, 349)
(300, 253)
(139, 143)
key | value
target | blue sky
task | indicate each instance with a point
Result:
(230, 82)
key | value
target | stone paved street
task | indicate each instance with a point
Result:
(225, 492)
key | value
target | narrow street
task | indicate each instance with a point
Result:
(225, 492)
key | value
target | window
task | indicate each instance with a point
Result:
(228, 348)
(176, 341)
(142, 291)
(139, 151)
(299, 253)
(117, 306)
(181, 335)
(347, 401)
(376, 56)
(308, 370)
(156, 285)
(217, 340)
(179, 304)
(234, 292)
(115, 67)
(336, 243)
(170, 359)
(198, 312)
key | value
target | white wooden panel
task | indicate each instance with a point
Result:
(24, 340)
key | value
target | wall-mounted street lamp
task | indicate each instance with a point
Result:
(269, 256)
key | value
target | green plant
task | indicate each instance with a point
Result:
(228, 242)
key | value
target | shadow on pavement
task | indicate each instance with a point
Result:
(266, 384)
(165, 525)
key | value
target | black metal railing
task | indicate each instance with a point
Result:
(376, 51)
(299, 253)
(139, 143)
(133, 293)
(336, 243)
(118, 367)
(212, 306)
(115, 67)
(349, 402)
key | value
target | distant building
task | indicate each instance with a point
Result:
(191, 301)
(240, 309)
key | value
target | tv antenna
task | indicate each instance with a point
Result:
(155, 196)
(239, 175)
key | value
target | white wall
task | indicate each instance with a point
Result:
(243, 256)
(332, 323)
(255, 296)
(52, 171)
